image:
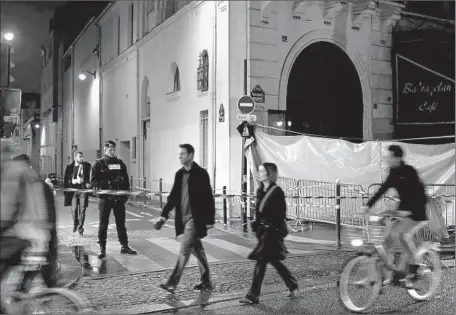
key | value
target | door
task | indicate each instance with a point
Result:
(124, 153)
(146, 151)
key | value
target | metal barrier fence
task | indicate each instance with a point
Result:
(440, 208)
(314, 201)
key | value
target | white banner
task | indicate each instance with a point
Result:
(321, 159)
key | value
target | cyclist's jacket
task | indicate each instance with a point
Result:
(411, 191)
(24, 208)
(110, 173)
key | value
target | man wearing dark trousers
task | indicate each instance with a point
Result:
(110, 173)
(77, 175)
(192, 197)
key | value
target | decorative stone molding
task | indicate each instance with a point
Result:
(389, 15)
(361, 11)
(266, 8)
(301, 6)
(306, 8)
(331, 11)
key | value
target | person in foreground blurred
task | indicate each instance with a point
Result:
(404, 178)
(192, 197)
(27, 215)
(271, 229)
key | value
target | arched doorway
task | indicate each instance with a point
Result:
(324, 93)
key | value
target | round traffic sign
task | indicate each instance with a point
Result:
(246, 104)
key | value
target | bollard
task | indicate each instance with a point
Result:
(145, 186)
(225, 210)
(338, 225)
(160, 189)
(131, 187)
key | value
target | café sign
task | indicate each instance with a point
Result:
(424, 96)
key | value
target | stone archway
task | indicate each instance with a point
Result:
(328, 37)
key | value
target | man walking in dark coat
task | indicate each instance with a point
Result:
(77, 175)
(192, 197)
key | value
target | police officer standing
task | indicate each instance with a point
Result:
(110, 173)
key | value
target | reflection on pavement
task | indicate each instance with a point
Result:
(89, 260)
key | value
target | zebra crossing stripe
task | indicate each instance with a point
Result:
(173, 246)
(134, 214)
(234, 248)
(130, 262)
(299, 239)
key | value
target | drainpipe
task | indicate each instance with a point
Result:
(100, 92)
(72, 98)
(138, 129)
(214, 97)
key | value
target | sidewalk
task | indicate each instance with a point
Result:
(130, 293)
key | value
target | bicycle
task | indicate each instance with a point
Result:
(381, 272)
(23, 298)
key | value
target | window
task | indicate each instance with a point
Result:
(131, 24)
(43, 56)
(150, 7)
(175, 75)
(133, 149)
(204, 135)
(203, 71)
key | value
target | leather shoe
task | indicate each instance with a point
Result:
(127, 250)
(202, 287)
(102, 253)
(168, 288)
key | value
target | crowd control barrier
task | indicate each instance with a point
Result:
(307, 201)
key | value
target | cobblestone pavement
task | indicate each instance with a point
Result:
(124, 291)
(325, 301)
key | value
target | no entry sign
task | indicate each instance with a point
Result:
(246, 104)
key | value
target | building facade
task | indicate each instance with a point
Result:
(66, 24)
(171, 72)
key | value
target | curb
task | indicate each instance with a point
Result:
(205, 299)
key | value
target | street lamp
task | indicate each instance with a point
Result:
(82, 76)
(8, 36)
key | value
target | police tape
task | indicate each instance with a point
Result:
(234, 197)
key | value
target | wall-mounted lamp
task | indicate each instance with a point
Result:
(289, 123)
(279, 123)
(37, 126)
(82, 75)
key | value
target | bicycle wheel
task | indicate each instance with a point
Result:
(54, 301)
(371, 281)
(430, 268)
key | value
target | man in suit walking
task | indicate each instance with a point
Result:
(192, 197)
(77, 175)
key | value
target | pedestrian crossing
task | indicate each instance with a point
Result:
(158, 250)
(158, 253)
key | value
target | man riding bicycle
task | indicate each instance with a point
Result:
(404, 178)
(26, 218)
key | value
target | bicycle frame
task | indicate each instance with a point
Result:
(381, 252)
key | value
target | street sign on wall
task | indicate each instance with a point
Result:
(246, 104)
(246, 117)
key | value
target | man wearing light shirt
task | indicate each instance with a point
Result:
(77, 175)
(193, 199)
